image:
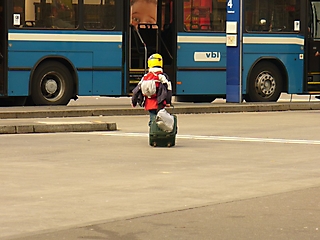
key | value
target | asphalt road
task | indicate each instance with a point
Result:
(252, 175)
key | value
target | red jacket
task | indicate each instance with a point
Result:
(163, 91)
(152, 102)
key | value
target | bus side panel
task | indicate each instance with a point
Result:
(295, 67)
(85, 83)
(87, 52)
(294, 70)
(201, 64)
(17, 59)
(289, 54)
(210, 82)
(18, 83)
(107, 83)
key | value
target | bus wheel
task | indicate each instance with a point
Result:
(265, 84)
(52, 84)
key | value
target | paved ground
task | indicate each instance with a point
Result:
(291, 215)
(231, 176)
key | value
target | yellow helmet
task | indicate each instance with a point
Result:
(155, 60)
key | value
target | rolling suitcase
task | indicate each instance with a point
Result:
(160, 138)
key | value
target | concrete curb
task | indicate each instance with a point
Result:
(51, 112)
(54, 128)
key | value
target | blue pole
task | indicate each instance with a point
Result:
(234, 51)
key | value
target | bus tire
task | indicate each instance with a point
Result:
(265, 83)
(52, 84)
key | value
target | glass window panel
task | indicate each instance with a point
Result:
(99, 14)
(205, 15)
(53, 14)
(272, 16)
(314, 26)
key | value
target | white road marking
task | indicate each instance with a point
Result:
(223, 138)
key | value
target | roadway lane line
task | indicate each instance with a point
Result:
(223, 138)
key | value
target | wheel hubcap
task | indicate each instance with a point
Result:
(51, 86)
(265, 84)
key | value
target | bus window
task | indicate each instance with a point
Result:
(45, 14)
(272, 16)
(208, 15)
(99, 14)
(315, 21)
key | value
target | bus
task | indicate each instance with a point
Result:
(98, 48)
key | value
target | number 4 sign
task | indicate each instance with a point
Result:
(230, 7)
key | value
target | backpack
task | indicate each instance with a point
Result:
(148, 85)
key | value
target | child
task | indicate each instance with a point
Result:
(153, 99)
(143, 11)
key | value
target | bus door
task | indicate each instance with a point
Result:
(3, 44)
(150, 30)
(201, 53)
(313, 46)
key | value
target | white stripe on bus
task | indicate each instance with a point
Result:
(246, 40)
(118, 38)
(64, 37)
(201, 39)
(273, 40)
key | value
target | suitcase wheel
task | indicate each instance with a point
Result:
(154, 144)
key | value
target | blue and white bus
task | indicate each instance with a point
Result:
(95, 50)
